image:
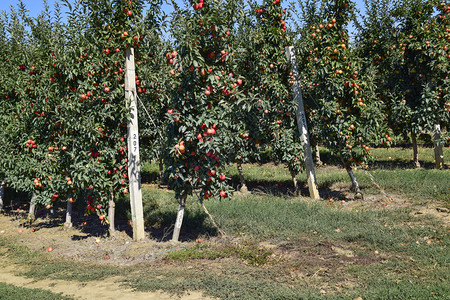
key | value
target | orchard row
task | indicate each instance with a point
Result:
(214, 88)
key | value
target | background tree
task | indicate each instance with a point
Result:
(345, 112)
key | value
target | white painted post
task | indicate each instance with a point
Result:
(302, 126)
(134, 167)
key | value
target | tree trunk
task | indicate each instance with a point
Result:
(318, 161)
(294, 181)
(243, 188)
(161, 173)
(32, 211)
(438, 152)
(2, 192)
(415, 151)
(68, 223)
(355, 185)
(111, 212)
(179, 221)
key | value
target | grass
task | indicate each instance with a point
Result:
(417, 184)
(248, 251)
(279, 219)
(402, 157)
(245, 269)
(12, 292)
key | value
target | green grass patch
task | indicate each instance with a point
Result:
(398, 157)
(12, 292)
(249, 251)
(269, 217)
(404, 279)
(418, 184)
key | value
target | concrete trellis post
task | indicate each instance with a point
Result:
(134, 167)
(302, 126)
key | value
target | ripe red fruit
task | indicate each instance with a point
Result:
(182, 149)
(49, 249)
(223, 194)
(239, 81)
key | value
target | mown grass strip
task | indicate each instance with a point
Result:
(13, 292)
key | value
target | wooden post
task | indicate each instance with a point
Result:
(438, 152)
(134, 167)
(302, 126)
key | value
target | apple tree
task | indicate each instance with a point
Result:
(346, 115)
(203, 98)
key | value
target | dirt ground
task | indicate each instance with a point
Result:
(82, 243)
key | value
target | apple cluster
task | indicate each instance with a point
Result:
(198, 5)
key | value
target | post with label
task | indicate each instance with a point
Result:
(302, 126)
(134, 167)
